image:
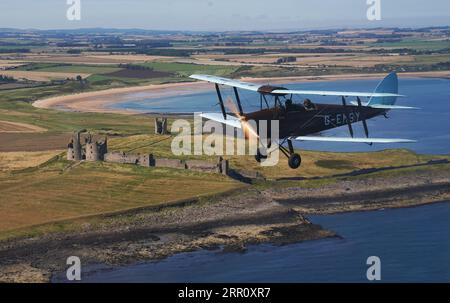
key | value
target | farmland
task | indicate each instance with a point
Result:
(38, 186)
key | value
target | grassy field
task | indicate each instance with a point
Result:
(10, 161)
(61, 190)
(35, 192)
(82, 69)
(70, 68)
(415, 44)
(57, 122)
(186, 69)
(315, 163)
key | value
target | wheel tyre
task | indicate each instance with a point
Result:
(295, 161)
(259, 156)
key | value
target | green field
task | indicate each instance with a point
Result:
(187, 69)
(415, 44)
(58, 121)
(70, 68)
(60, 191)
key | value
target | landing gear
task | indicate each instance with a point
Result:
(295, 160)
(260, 156)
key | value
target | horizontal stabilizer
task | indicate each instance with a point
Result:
(231, 120)
(353, 140)
(380, 106)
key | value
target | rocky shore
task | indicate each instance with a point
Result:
(277, 215)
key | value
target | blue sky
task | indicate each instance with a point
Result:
(219, 15)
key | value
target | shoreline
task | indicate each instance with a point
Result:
(230, 222)
(102, 101)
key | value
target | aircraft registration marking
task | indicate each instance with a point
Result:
(341, 119)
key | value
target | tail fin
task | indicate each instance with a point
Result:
(388, 85)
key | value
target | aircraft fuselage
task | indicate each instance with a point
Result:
(299, 121)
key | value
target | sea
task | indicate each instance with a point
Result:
(411, 244)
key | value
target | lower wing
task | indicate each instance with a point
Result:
(353, 140)
(230, 120)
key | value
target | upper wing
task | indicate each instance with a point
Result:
(228, 82)
(333, 93)
(353, 140)
(259, 88)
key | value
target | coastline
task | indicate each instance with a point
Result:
(230, 222)
(102, 101)
(274, 213)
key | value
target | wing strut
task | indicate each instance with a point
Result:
(222, 106)
(238, 100)
(347, 114)
(366, 129)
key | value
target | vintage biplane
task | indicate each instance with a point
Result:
(304, 121)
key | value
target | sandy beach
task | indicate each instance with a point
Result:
(102, 101)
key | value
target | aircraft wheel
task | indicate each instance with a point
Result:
(295, 161)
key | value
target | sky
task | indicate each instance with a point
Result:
(222, 15)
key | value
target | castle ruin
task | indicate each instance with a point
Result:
(90, 151)
(93, 151)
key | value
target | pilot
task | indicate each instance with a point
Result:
(309, 105)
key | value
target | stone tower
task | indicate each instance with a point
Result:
(92, 152)
(74, 152)
(95, 151)
(161, 126)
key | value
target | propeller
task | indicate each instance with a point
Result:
(246, 126)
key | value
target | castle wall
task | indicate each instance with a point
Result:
(97, 151)
(119, 157)
(224, 167)
(203, 166)
(169, 163)
(70, 154)
(147, 160)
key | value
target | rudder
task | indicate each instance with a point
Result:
(388, 85)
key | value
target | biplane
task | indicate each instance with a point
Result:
(305, 120)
